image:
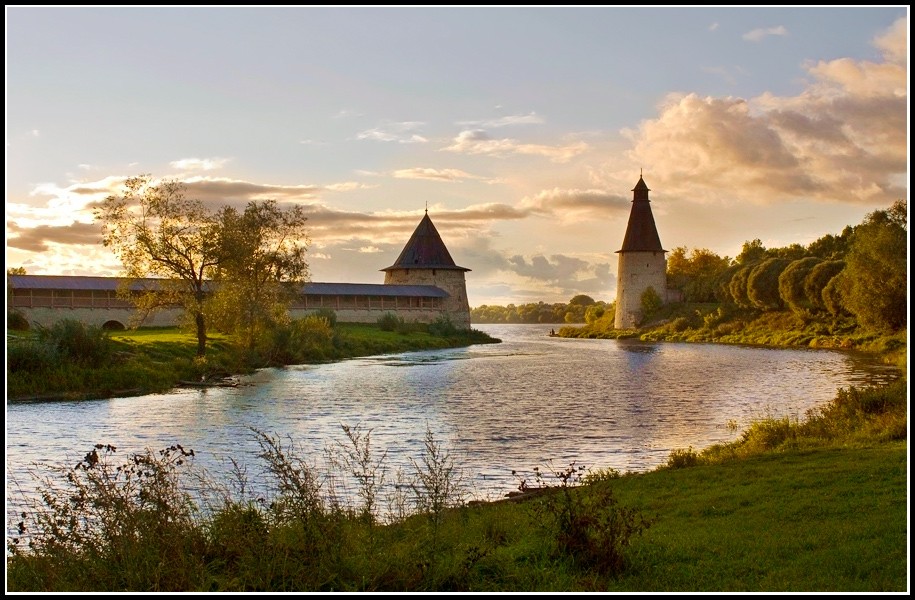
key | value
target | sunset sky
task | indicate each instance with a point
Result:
(523, 129)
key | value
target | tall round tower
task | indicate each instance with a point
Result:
(425, 261)
(642, 263)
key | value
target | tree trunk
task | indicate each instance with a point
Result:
(201, 334)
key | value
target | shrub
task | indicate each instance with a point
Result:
(328, 314)
(85, 345)
(390, 322)
(16, 321)
(587, 522)
(443, 327)
(31, 356)
(680, 458)
(650, 302)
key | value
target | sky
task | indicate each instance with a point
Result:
(522, 130)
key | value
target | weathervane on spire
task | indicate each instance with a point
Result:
(427, 207)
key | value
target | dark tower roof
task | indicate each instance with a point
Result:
(425, 250)
(641, 233)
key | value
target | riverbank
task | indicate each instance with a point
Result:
(712, 323)
(812, 506)
(154, 360)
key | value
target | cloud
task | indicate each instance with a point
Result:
(433, 174)
(348, 186)
(36, 239)
(199, 164)
(842, 139)
(35, 133)
(477, 141)
(531, 118)
(568, 274)
(758, 35)
(713, 26)
(575, 204)
(370, 250)
(894, 42)
(400, 132)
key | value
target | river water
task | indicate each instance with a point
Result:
(524, 403)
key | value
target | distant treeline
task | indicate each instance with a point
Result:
(578, 310)
(859, 274)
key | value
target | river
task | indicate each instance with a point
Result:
(527, 402)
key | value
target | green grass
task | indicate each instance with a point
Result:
(820, 507)
(156, 359)
(715, 323)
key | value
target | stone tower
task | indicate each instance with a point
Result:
(425, 261)
(642, 263)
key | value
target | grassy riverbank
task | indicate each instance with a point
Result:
(715, 323)
(815, 505)
(154, 360)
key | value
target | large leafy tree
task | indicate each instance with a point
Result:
(262, 267)
(696, 274)
(158, 232)
(876, 269)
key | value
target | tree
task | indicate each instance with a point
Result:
(696, 275)
(817, 279)
(158, 232)
(752, 252)
(16, 271)
(762, 284)
(876, 267)
(262, 267)
(650, 302)
(581, 300)
(791, 285)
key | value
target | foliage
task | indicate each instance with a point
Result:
(157, 231)
(130, 524)
(261, 270)
(77, 343)
(581, 300)
(538, 312)
(876, 267)
(650, 302)
(697, 274)
(817, 280)
(588, 524)
(16, 321)
(443, 327)
(762, 283)
(594, 312)
(751, 253)
(391, 322)
(729, 522)
(738, 286)
(791, 284)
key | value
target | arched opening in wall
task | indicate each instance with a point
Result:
(113, 326)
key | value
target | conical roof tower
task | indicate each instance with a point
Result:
(426, 261)
(425, 250)
(642, 265)
(641, 232)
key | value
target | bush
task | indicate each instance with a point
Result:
(327, 314)
(443, 327)
(390, 322)
(31, 356)
(16, 321)
(650, 302)
(587, 522)
(85, 345)
(680, 458)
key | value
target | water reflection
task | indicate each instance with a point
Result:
(532, 399)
